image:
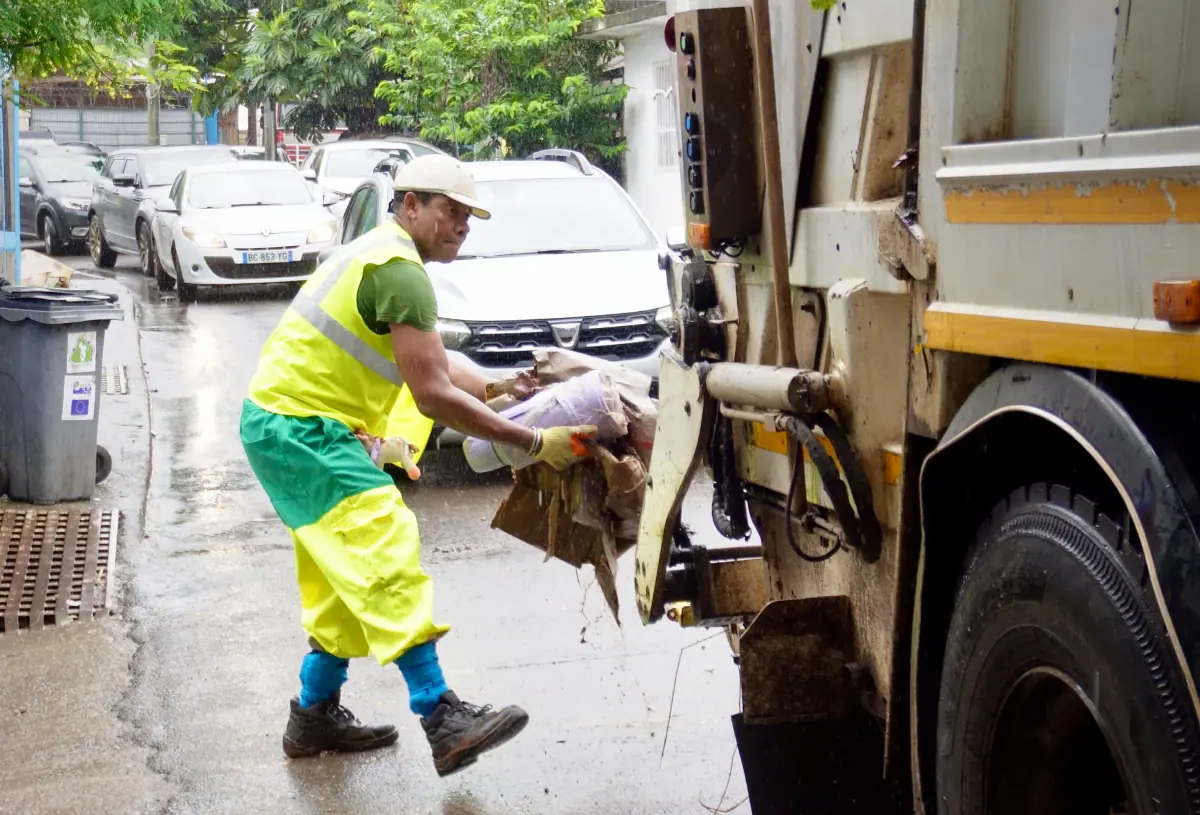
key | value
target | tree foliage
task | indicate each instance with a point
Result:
(102, 42)
(214, 43)
(309, 54)
(495, 76)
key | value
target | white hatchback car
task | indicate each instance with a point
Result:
(237, 223)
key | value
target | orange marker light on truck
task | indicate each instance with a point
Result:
(1177, 301)
(700, 236)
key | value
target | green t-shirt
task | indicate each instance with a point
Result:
(397, 292)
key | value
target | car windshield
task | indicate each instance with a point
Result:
(67, 168)
(357, 163)
(161, 170)
(238, 188)
(553, 215)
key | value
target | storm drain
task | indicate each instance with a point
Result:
(54, 565)
(114, 380)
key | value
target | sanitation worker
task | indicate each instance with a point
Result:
(330, 374)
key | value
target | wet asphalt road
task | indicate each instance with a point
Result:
(212, 601)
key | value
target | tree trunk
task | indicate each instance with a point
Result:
(227, 125)
(252, 123)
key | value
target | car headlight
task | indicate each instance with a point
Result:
(204, 238)
(322, 233)
(665, 317)
(454, 334)
(75, 204)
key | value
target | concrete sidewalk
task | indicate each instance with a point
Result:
(67, 747)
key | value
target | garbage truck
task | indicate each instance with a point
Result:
(939, 348)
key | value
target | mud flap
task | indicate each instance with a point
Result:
(808, 745)
(819, 767)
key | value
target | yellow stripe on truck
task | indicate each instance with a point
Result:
(1127, 345)
(776, 441)
(1154, 201)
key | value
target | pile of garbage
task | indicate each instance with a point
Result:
(587, 514)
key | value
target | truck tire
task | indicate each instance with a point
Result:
(1059, 691)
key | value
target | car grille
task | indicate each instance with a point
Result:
(613, 338)
(226, 268)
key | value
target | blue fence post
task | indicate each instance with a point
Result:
(212, 133)
(10, 194)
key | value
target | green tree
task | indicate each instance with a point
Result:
(100, 41)
(309, 54)
(214, 43)
(495, 76)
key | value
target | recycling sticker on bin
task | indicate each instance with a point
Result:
(81, 352)
(79, 398)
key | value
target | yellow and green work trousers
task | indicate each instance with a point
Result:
(362, 588)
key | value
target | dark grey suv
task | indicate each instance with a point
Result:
(123, 197)
(56, 187)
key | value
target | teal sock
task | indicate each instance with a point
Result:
(423, 675)
(321, 676)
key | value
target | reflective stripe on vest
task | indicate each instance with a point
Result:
(309, 307)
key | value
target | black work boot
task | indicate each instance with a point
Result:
(327, 727)
(459, 732)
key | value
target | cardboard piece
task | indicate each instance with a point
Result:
(588, 514)
(541, 511)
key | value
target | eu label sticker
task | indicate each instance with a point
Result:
(79, 398)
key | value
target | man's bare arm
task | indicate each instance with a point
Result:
(422, 361)
(467, 380)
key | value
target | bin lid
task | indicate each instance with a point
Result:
(58, 306)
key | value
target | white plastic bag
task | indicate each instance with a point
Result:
(590, 399)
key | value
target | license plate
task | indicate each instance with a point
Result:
(267, 256)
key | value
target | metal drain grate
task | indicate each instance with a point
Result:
(55, 565)
(114, 380)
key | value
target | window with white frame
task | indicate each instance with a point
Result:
(666, 115)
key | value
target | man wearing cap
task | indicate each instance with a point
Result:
(360, 329)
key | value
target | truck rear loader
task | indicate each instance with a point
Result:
(939, 346)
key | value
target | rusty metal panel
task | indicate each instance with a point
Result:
(55, 565)
(795, 659)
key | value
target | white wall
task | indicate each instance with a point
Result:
(655, 189)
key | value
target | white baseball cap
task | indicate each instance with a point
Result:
(441, 174)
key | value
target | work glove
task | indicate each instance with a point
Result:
(560, 447)
(392, 450)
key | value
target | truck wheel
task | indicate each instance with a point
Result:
(102, 255)
(1059, 690)
(103, 464)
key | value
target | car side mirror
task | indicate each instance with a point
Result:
(166, 205)
(677, 238)
(123, 181)
(328, 199)
(26, 183)
(309, 174)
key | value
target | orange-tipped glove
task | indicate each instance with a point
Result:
(560, 447)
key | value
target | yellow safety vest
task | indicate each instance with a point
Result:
(323, 360)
